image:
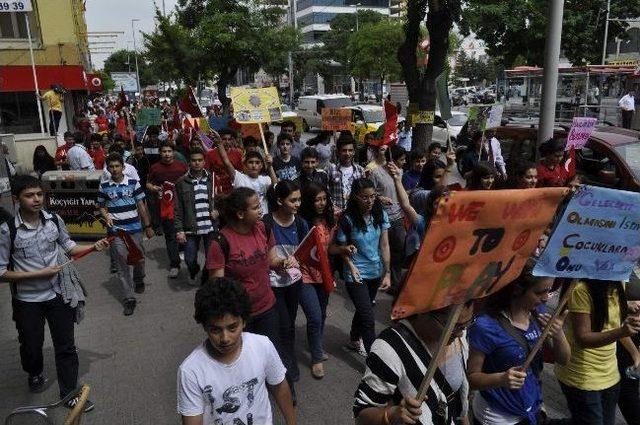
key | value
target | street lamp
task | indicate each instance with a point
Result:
(135, 53)
(357, 5)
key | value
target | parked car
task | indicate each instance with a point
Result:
(365, 119)
(310, 108)
(287, 114)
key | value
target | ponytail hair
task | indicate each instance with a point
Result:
(279, 191)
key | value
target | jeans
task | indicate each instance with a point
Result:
(54, 121)
(363, 324)
(153, 205)
(397, 236)
(287, 306)
(314, 300)
(169, 230)
(119, 251)
(592, 407)
(629, 398)
(191, 253)
(30, 318)
(627, 117)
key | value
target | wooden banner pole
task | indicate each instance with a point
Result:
(545, 333)
(264, 142)
(442, 346)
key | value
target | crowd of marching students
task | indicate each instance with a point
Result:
(249, 209)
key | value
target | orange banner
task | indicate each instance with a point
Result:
(477, 242)
(336, 119)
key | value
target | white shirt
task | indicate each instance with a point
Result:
(347, 179)
(260, 184)
(627, 103)
(227, 394)
(129, 172)
(498, 160)
(79, 158)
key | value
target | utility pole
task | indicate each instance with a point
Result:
(135, 54)
(606, 33)
(294, 24)
(551, 61)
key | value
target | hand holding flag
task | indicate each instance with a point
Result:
(312, 252)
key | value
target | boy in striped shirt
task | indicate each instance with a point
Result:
(195, 217)
(121, 202)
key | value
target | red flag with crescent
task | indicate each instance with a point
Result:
(312, 252)
(166, 201)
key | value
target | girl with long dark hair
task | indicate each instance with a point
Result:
(590, 380)
(363, 230)
(288, 230)
(526, 176)
(500, 341)
(42, 161)
(482, 177)
(317, 209)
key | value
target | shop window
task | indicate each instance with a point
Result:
(19, 113)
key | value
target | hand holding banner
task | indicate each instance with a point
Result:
(477, 242)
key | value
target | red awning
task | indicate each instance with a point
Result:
(19, 78)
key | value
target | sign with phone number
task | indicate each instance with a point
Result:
(16, 6)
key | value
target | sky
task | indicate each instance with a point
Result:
(116, 15)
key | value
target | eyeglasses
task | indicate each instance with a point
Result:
(367, 198)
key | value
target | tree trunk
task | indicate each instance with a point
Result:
(421, 85)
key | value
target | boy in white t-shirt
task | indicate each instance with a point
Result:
(227, 379)
(252, 177)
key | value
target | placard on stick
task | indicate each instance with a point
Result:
(477, 242)
(255, 105)
(336, 119)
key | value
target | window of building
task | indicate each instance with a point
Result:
(19, 113)
(13, 25)
(316, 18)
(632, 43)
(304, 4)
(312, 36)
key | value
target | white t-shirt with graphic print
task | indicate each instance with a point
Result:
(224, 393)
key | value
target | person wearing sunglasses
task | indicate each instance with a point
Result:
(500, 340)
(396, 366)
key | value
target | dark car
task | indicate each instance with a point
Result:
(611, 157)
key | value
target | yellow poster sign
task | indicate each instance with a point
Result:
(255, 105)
(423, 117)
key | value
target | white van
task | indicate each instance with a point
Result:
(310, 107)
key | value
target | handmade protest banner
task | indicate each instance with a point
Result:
(476, 243)
(598, 236)
(580, 131)
(495, 117)
(255, 105)
(336, 119)
(423, 117)
(148, 116)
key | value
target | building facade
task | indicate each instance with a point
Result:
(61, 57)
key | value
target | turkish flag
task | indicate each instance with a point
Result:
(122, 100)
(570, 163)
(312, 252)
(387, 133)
(189, 104)
(166, 201)
(134, 255)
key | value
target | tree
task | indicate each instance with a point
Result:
(476, 70)
(125, 61)
(224, 36)
(343, 25)
(421, 81)
(511, 28)
(370, 58)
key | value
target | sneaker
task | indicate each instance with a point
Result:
(114, 270)
(181, 255)
(139, 288)
(325, 357)
(317, 370)
(129, 306)
(88, 405)
(173, 273)
(357, 347)
(37, 383)
(195, 280)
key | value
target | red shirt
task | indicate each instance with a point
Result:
(247, 263)
(557, 177)
(61, 154)
(161, 172)
(98, 157)
(103, 123)
(213, 163)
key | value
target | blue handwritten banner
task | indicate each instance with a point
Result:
(598, 236)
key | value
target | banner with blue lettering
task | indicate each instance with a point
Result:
(598, 236)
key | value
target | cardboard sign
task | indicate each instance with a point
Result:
(148, 116)
(478, 116)
(597, 237)
(423, 117)
(477, 242)
(580, 131)
(255, 105)
(336, 119)
(495, 117)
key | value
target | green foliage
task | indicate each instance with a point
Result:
(342, 27)
(473, 68)
(125, 61)
(512, 28)
(372, 50)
